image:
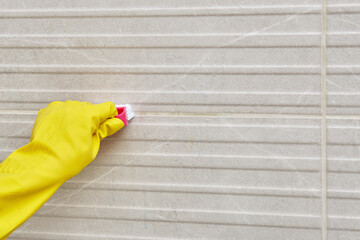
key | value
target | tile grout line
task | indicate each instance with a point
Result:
(323, 124)
(211, 114)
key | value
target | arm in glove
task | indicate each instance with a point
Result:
(65, 138)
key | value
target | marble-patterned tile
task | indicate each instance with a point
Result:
(233, 57)
(237, 174)
(343, 178)
(343, 52)
(226, 144)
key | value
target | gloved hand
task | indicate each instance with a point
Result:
(65, 138)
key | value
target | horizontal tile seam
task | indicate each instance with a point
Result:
(308, 225)
(208, 125)
(175, 12)
(182, 35)
(20, 234)
(72, 184)
(162, 92)
(157, 92)
(143, 12)
(198, 114)
(262, 214)
(217, 190)
(171, 140)
(173, 35)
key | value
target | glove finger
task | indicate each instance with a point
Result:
(55, 103)
(52, 106)
(109, 127)
(103, 111)
(81, 104)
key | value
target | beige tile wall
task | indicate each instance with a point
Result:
(343, 86)
(236, 130)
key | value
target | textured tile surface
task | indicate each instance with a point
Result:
(248, 176)
(344, 177)
(343, 99)
(172, 56)
(229, 139)
(343, 57)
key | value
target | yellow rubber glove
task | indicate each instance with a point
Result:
(65, 138)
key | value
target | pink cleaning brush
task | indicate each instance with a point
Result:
(125, 113)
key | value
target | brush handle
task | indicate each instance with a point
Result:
(122, 115)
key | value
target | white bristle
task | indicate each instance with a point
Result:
(129, 112)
